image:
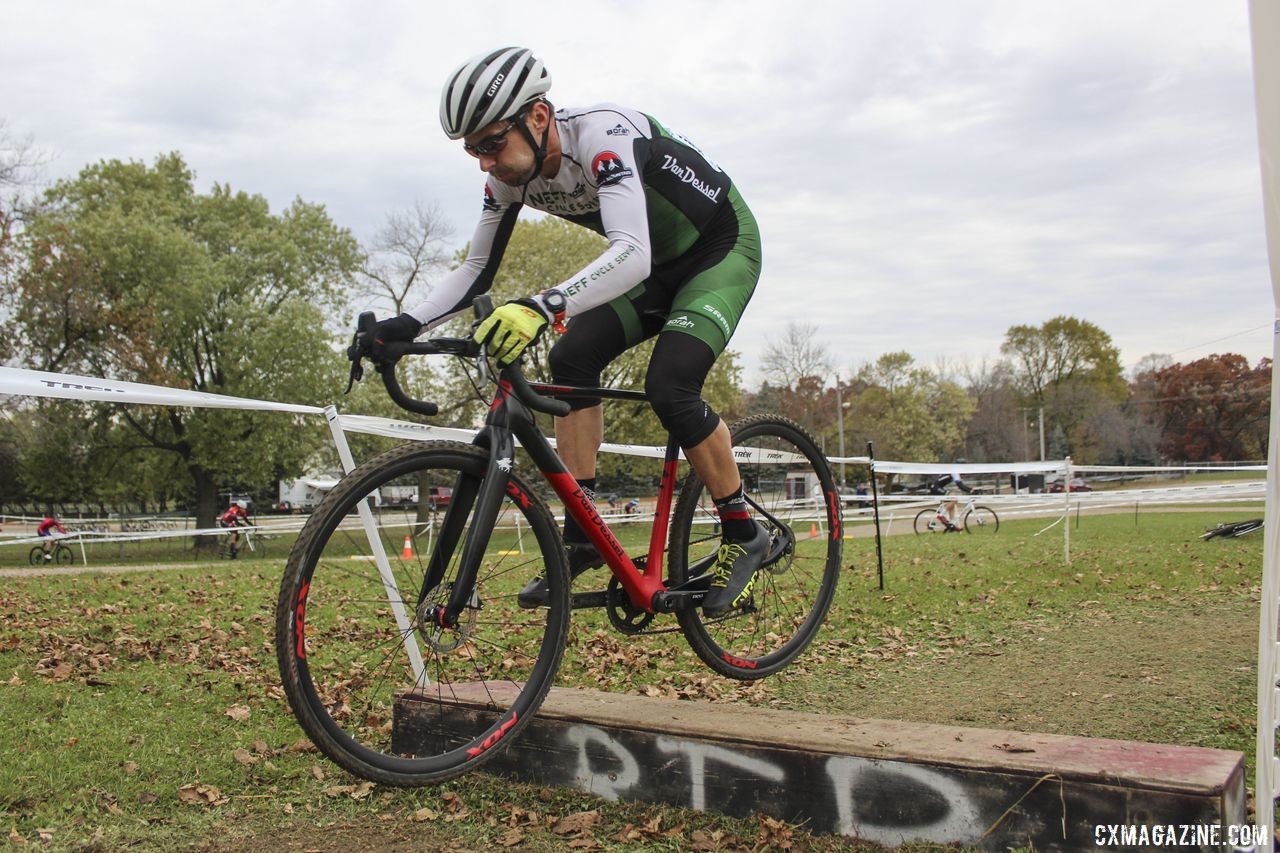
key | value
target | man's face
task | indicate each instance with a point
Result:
(503, 152)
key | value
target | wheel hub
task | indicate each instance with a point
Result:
(445, 638)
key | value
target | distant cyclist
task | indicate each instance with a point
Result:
(235, 517)
(45, 531)
(944, 485)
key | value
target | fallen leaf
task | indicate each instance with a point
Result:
(424, 814)
(245, 757)
(512, 837)
(201, 795)
(318, 772)
(577, 822)
(130, 768)
(239, 713)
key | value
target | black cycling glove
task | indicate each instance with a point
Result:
(406, 327)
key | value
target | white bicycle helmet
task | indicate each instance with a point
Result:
(490, 87)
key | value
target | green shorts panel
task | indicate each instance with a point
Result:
(703, 293)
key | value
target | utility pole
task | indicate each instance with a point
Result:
(1042, 433)
(840, 426)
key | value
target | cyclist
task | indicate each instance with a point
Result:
(632, 507)
(235, 517)
(45, 531)
(682, 262)
(943, 486)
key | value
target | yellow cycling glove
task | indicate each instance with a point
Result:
(510, 329)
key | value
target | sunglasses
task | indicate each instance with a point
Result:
(491, 144)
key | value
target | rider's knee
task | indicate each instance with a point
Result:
(682, 411)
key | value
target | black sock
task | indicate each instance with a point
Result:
(574, 534)
(735, 517)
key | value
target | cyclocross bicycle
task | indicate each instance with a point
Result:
(404, 651)
(974, 519)
(61, 554)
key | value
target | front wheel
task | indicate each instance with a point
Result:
(981, 519)
(791, 492)
(379, 686)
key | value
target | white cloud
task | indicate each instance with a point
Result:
(926, 173)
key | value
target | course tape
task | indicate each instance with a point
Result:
(35, 383)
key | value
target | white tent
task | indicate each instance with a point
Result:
(1265, 22)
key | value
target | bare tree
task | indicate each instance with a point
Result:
(797, 355)
(20, 161)
(997, 430)
(411, 247)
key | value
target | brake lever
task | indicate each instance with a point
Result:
(357, 374)
(361, 346)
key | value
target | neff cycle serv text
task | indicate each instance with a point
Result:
(1180, 835)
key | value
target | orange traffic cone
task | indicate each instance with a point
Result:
(407, 554)
(813, 529)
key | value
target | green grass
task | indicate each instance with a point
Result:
(122, 690)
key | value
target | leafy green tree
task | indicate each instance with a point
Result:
(128, 272)
(1068, 367)
(908, 410)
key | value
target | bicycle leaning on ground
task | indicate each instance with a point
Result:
(974, 518)
(410, 666)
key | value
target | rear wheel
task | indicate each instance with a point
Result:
(347, 637)
(927, 521)
(981, 519)
(791, 491)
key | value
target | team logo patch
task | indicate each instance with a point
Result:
(609, 169)
(490, 203)
(617, 130)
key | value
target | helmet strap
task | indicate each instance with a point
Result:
(539, 148)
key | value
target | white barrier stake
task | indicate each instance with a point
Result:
(1066, 512)
(380, 555)
(519, 535)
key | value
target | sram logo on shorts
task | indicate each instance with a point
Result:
(609, 169)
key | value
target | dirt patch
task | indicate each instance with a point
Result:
(1094, 675)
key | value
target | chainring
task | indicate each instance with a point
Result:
(624, 615)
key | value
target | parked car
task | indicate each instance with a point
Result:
(1077, 485)
(439, 496)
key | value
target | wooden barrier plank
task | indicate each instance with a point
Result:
(885, 781)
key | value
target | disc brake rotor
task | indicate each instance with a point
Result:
(443, 640)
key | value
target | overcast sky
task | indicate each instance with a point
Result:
(926, 173)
